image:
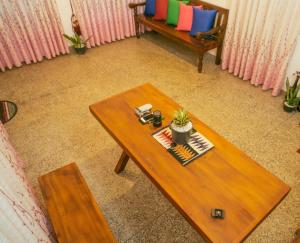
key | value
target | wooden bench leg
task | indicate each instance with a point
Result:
(200, 59)
(218, 57)
(137, 24)
(122, 163)
(137, 29)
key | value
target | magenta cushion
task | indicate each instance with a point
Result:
(161, 10)
(185, 19)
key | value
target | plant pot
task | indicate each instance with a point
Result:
(289, 108)
(80, 50)
(181, 135)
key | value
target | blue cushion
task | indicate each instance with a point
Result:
(150, 8)
(203, 20)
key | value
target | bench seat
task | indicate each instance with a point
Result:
(72, 209)
(181, 36)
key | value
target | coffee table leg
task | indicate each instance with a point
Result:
(122, 163)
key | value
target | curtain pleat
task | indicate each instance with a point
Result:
(105, 20)
(22, 219)
(260, 39)
(29, 31)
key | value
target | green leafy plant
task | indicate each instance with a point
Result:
(181, 118)
(76, 40)
(292, 92)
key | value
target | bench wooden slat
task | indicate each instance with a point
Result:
(73, 211)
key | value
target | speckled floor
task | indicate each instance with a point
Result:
(54, 127)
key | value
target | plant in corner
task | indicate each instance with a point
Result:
(292, 100)
(181, 127)
(78, 44)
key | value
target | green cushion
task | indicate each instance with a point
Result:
(173, 11)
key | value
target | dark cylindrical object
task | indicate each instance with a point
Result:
(289, 108)
(80, 50)
(157, 118)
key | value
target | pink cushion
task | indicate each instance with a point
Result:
(161, 11)
(186, 17)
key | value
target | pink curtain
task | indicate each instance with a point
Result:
(105, 20)
(260, 38)
(29, 31)
(22, 220)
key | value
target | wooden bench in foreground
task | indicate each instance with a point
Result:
(72, 208)
(200, 43)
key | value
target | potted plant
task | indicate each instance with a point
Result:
(292, 100)
(78, 44)
(181, 127)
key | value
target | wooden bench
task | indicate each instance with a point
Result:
(72, 208)
(198, 43)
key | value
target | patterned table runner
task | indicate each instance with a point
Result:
(197, 145)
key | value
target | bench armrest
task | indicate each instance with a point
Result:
(135, 5)
(200, 35)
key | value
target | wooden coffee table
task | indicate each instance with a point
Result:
(225, 177)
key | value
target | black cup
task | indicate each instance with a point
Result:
(157, 118)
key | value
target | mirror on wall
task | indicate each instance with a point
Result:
(8, 110)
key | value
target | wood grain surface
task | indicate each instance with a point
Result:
(224, 177)
(73, 211)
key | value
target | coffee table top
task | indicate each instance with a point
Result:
(225, 177)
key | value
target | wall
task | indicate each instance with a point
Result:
(221, 3)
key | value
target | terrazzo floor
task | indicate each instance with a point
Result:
(54, 126)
